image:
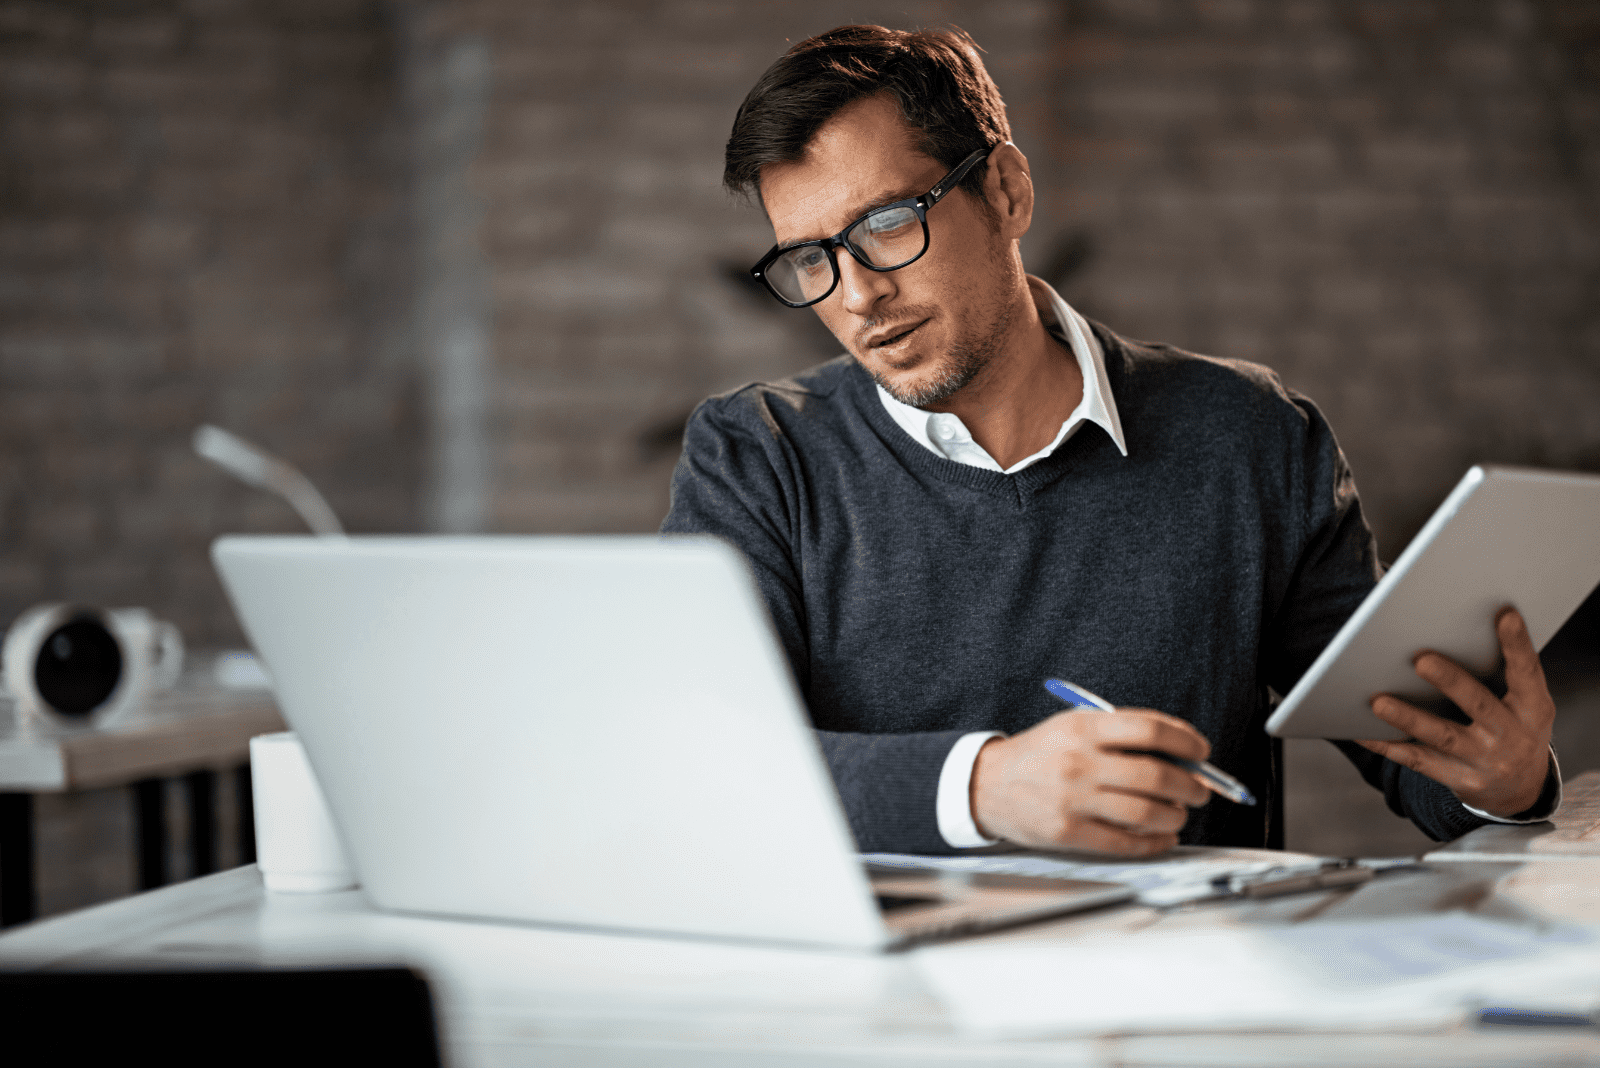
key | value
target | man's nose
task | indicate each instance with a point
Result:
(861, 290)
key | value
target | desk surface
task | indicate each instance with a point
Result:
(194, 726)
(528, 995)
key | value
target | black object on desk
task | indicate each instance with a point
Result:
(238, 1016)
(16, 858)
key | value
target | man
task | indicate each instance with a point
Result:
(988, 490)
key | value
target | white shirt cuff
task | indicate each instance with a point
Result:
(1554, 763)
(954, 802)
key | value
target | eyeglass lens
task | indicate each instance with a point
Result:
(889, 238)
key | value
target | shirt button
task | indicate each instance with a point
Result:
(945, 431)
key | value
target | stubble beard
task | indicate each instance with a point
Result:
(966, 359)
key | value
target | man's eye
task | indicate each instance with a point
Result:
(809, 259)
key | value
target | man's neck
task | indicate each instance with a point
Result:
(1017, 403)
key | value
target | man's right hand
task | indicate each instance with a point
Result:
(1070, 783)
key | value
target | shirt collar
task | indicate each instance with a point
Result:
(1098, 406)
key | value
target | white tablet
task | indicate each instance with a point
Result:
(1505, 536)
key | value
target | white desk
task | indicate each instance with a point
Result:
(534, 996)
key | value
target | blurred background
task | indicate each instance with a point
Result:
(469, 265)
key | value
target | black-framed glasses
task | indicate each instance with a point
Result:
(884, 239)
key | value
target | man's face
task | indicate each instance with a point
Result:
(924, 331)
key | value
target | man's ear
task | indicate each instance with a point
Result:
(1008, 187)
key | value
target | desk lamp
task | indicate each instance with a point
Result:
(259, 468)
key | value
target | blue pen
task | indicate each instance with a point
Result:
(1213, 777)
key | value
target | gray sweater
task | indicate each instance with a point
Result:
(919, 599)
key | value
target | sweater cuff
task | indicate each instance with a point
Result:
(954, 802)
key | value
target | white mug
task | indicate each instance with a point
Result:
(66, 663)
(156, 643)
(298, 849)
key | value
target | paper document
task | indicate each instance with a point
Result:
(1185, 873)
(1380, 974)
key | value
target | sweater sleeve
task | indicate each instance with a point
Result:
(739, 479)
(1336, 567)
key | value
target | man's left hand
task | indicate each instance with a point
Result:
(1498, 763)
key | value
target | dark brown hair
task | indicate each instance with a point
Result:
(938, 80)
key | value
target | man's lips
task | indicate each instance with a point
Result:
(889, 335)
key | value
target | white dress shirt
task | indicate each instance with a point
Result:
(944, 434)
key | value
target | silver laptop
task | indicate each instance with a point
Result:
(589, 731)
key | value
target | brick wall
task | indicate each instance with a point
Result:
(202, 219)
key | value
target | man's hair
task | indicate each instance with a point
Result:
(944, 93)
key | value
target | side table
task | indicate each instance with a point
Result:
(190, 731)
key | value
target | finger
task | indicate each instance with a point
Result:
(1416, 757)
(1152, 777)
(1425, 727)
(1143, 728)
(1471, 696)
(1525, 682)
(1142, 815)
